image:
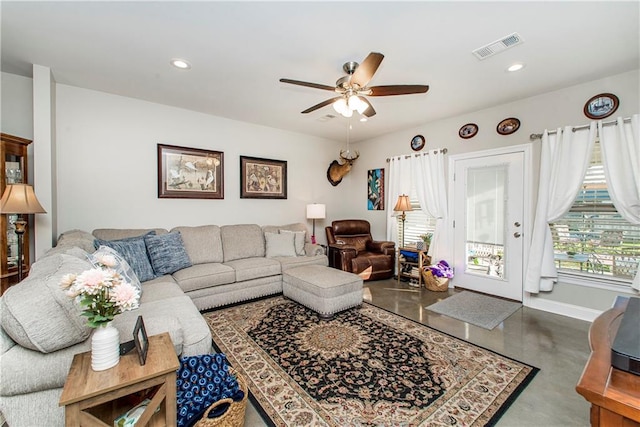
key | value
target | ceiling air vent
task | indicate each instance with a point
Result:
(326, 118)
(498, 46)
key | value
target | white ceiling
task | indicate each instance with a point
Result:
(240, 49)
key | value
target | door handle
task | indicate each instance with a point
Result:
(516, 234)
(517, 224)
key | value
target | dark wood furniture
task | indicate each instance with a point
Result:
(95, 398)
(13, 170)
(614, 394)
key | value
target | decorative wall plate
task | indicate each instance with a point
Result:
(417, 143)
(508, 126)
(468, 131)
(601, 106)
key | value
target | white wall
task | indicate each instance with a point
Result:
(17, 105)
(545, 111)
(107, 165)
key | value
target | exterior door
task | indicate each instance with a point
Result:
(488, 217)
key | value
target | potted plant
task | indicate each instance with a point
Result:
(426, 241)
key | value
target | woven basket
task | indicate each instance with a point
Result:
(432, 283)
(234, 416)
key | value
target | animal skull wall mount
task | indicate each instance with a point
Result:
(338, 170)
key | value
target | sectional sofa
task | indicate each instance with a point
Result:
(182, 271)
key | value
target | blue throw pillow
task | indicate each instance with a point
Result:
(167, 253)
(121, 266)
(134, 251)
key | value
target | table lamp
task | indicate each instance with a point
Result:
(315, 211)
(403, 205)
(21, 200)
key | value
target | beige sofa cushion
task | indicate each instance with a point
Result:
(203, 244)
(37, 314)
(242, 241)
(204, 276)
(254, 268)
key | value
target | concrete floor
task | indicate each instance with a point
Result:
(556, 344)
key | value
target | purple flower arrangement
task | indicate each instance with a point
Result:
(441, 269)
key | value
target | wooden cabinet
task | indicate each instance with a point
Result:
(614, 394)
(13, 170)
(408, 268)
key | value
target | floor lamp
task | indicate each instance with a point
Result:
(403, 205)
(316, 211)
(21, 200)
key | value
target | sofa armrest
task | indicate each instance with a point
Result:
(312, 249)
(387, 248)
(340, 256)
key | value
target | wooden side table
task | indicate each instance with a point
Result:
(614, 394)
(95, 398)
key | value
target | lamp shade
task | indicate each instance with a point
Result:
(316, 211)
(403, 204)
(20, 199)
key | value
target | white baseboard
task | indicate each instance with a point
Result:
(564, 309)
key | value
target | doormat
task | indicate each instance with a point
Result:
(480, 310)
(364, 367)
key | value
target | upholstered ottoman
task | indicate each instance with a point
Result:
(323, 289)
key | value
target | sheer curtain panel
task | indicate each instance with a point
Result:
(621, 158)
(564, 160)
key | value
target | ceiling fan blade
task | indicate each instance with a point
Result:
(307, 84)
(397, 90)
(365, 71)
(322, 104)
(370, 111)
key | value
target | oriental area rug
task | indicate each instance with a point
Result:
(364, 367)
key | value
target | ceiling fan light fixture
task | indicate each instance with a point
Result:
(340, 106)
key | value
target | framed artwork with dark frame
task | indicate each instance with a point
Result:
(262, 178)
(190, 173)
(508, 126)
(601, 106)
(417, 143)
(141, 340)
(375, 189)
(468, 131)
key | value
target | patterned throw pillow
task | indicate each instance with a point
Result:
(167, 253)
(134, 251)
(280, 245)
(122, 267)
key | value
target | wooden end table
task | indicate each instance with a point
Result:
(95, 398)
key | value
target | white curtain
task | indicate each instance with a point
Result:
(399, 183)
(621, 158)
(563, 162)
(428, 174)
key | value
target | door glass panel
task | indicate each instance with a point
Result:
(486, 213)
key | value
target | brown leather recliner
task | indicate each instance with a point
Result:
(352, 249)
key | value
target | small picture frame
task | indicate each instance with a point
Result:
(417, 143)
(508, 126)
(141, 340)
(601, 106)
(468, 131)
(262, 178)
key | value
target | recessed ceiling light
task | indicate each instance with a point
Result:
(516, 67)
(181, 63)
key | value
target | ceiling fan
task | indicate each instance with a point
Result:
(353, 88)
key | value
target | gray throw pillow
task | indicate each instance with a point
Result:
(134, 251)
(299, 240)
(280, 245)
(167, 253)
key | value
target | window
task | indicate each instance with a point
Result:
(417, 222)
(592, 238)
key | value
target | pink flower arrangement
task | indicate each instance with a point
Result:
(102, 292)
